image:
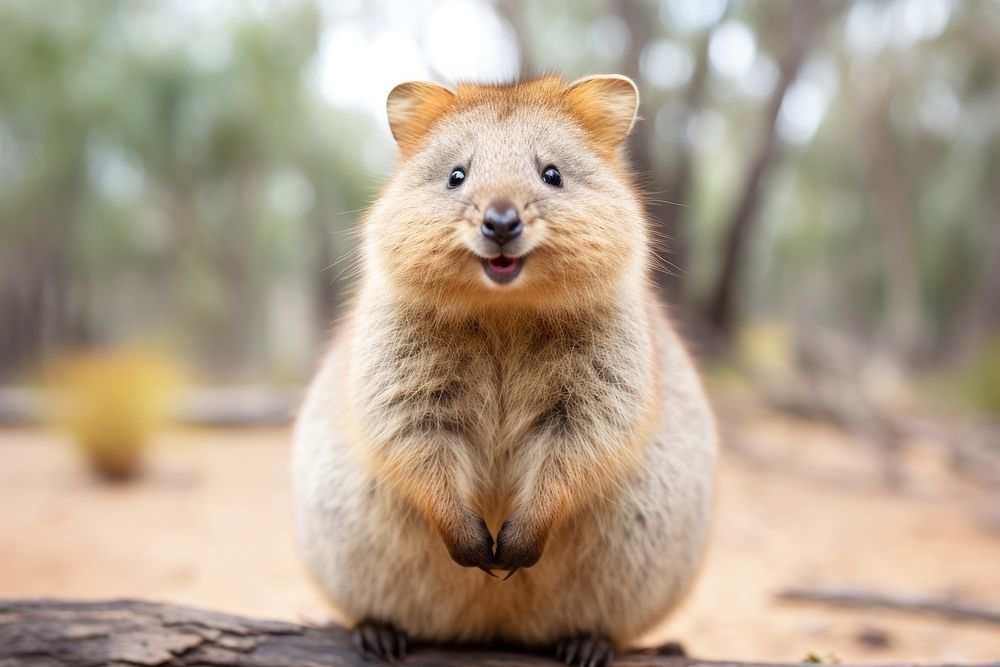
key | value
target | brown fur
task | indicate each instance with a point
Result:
(558, 413)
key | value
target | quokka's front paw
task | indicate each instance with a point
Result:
(519, 544)
(379, 641)
(469, 543)
(585, 651)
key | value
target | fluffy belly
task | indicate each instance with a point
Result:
(613, 571)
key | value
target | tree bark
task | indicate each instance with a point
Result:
(36, 632)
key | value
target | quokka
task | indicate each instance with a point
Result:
(506, 394)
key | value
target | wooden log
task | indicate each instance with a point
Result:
(36, 632)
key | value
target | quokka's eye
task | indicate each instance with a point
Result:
(457, 178)
(552, 176)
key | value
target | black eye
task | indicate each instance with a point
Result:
(552, 176)
(457, 178)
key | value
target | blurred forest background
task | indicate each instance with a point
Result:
(179, 186)
(827, 173)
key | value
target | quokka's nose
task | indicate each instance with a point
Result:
(501, 222)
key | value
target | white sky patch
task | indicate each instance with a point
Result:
(867, 29)
(609, 37)
(801, 113)
(707, 130)
(356, 66)
(339, 79)
(465, 40)
(341, 9)
(918, 20)
(355, 69)
(691, 15)
(665, 64)
(760, 78)
(114, 172)
(939, 110)
(155, 27)
(872, 26)
(732, 49)
(806, 101)
(212, 52)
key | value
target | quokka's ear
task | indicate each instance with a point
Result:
(606, 105)
(412, 108)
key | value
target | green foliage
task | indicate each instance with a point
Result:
(180, 176)
(149, 155)
(981, 385)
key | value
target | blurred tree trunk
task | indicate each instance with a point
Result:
(899, 245)
(671, 214)
(981, 318)
(179, 205)
(637, 16)
(235, 348)
(666, 205)
(720, 312)
(984, 312)
(42, 292)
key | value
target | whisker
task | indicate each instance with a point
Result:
(355, 210)
(666, 201)
(661, 263)
(353, 267)
(346, 255)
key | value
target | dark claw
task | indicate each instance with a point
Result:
(488, 571)
(379, 642)
(359, 643)
(601, 655)
(585, 651)
(517, 547)
(369, 635)
(511, 573)
(387, 641)
(401, 645)
(569, 650)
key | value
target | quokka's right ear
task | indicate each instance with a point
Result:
(412, 108)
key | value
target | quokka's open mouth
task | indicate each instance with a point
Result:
(502, 269)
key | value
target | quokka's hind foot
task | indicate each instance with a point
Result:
(585, 651)
(380, 642)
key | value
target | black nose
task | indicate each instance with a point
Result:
(501, 222)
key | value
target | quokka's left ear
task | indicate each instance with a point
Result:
(606, 105)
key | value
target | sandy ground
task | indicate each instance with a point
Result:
(210, 525)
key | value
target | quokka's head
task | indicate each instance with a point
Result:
(513, 193)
